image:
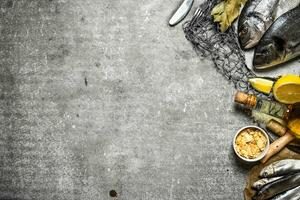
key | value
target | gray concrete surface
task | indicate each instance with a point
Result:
(101, 95)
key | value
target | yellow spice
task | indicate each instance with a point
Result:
(250, 143)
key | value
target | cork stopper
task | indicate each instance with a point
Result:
(245, 99)
(276, 127)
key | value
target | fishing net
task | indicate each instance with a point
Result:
(222, 48)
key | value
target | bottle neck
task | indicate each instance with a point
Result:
(251, 101)
(248, 100)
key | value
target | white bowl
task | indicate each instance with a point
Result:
(261, 155)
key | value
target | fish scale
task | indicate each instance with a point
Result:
(293, 194)
(263, 5)
(284, 6)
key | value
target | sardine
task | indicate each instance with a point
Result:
(256, 17)
(262, 182)
(293, 194)
(284, 184)
(281, 42)
(280, 168)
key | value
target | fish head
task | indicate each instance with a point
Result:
(250, 30)
(269, 52)
(268, 171)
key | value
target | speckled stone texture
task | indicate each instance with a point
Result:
(101, 95)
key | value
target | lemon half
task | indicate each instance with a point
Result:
(287, 89)
(294, 126)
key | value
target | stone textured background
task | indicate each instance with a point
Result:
(101, 95)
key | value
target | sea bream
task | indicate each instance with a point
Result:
(281, 42)
(256, 17)
(284, 6)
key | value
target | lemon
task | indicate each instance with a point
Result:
(261, 84)
(294, 126)
(287, 89)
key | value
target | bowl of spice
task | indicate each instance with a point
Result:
(251, 143)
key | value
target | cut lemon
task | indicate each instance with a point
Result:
(261, 84)
(294, 126)
(287, 89)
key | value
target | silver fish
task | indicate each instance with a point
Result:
(281, 42)
(284, 6)
(262, 182)
(256, 17)
(293, 194)
(277, 187)
(280, 168)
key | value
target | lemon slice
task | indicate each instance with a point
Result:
(294, 126)
(287, 89)
(261, 84)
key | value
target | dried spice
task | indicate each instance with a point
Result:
(250, 143)
(226, 12)
(265, 118)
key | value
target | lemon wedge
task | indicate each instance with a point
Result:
(287, 89)
(261, 84)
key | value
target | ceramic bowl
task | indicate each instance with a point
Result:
(261, 155)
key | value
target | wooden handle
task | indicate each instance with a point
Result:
(278, 145)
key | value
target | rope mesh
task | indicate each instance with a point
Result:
(222, 48)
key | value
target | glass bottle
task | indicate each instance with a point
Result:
(273, 108)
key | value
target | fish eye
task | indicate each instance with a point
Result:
(265, 51)
(244, 30)
(279, 43)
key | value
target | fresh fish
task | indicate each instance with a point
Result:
(293, 194)
(256, 17)
(284, 184)
(281, 42)
(284, 6)
(262, 182)
(280, 168)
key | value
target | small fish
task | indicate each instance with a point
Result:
(262, 182)
(256, 17)
(281, 42)
(280, 168)
(279, 186)
(293, 194)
